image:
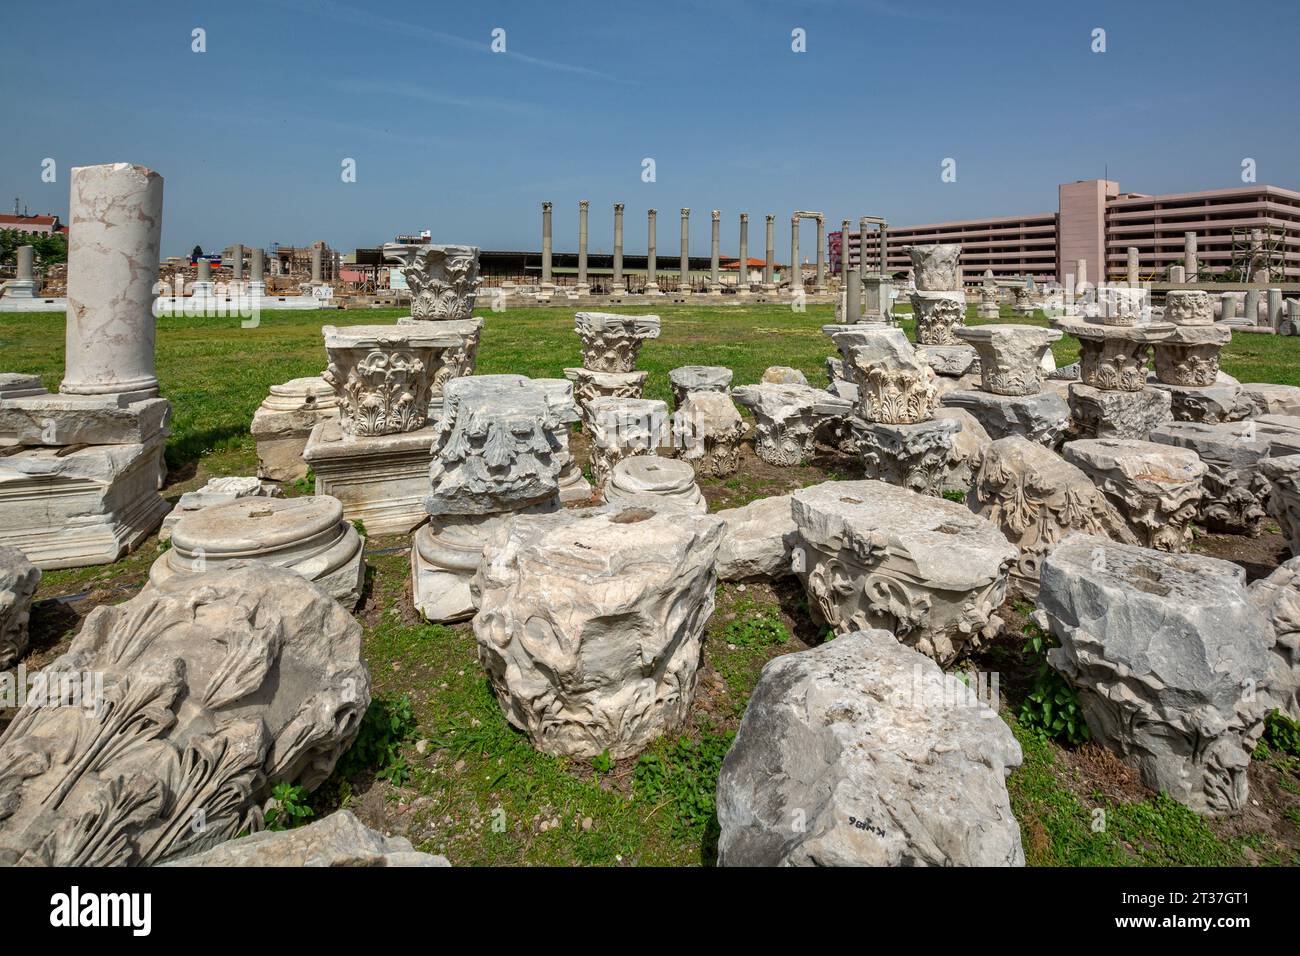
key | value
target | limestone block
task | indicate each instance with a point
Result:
(1283, 474)
(757, 540)
(783, 375)
(443, 279)
(894, 385)
(698, 378)
(1277, 598)
(283, 423)
(591, 622)
(20, 385)
(1159, 648)
(1267, 398)
(884, 759)
(643, 475)
(381, 480)
(1156, 488)
(339, 839)
(707, 429)
(1011, 356)
(95, 503)
(935, 268)
(82, 420)
(1116, 414)
(784, 420)
(622, 427)
(1190, 356)
(920, 457)
(876, 555)
(1113, 358)
(1037, 498)
(1236, 491)
(611, 343)
(967, 448)
(198, 697)
(952, 361)
(1042, 418)
(18, 581)
(1210, 403)
(305, 535)
(589, 386)
(1189, 307)
(217, 491)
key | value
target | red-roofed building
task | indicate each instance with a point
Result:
(33, 225)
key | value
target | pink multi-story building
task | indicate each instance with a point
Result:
(1096, 224)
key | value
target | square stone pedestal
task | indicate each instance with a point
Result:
(381, 480)
(72, 507)
(1042, 418)
(1103, 413)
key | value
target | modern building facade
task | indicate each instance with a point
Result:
(1238, 231)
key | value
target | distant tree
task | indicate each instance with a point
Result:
(49, 248)
(196, 252)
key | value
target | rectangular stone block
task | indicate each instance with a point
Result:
(60, 420)
(381, 480)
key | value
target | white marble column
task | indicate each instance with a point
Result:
(23, 285)
(796, 269)
(256, 272)
(546, 246)
(202, 287)
(715, 284)
(618, 287)
(742, 271)
(583, 286)
(651, 253)
(237, 263)
(686, 258)
(317, 255)
(1190, 260)
(1134, 267)
(769, 265)
(115, 229)
(820, 284)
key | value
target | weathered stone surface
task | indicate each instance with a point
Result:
(967, 448)
(1210, 403)
(591, 621)
(1277, 598)
(82, 420)
(1283, 473)
(574, 487)
(215, 687)
(1113, 358)
(1011, 356)
(894, 386)
(1267, 398)
(698, 378)
(783, 375)
(96, 503)
(1235, 489)
(217, 491)
(305, 535)
(784, 420)
(876, 555)
(757, 540)
(283, 423)
(611, 343)
(651, 475)
(382, 479)
(935, 268)
(339, 839)
(1188, 307)
(1161, 650)
(18, 581)
(920, 457)
(622, 427)
(1156, 488)
(952, 361)
(443, 279)
(883, 758)
(1117, 414)
(1037, 498)
(20, 385)
(707, 430)
(938, 315)
(589, 386)
(1042, 418)
(1190, 356)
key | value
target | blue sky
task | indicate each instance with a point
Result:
(449, 136)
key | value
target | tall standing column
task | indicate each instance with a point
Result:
(796, 268)
(618, 287)
(237, 263)
(24, 284)
(1275, 307)
(820, 284)
(844, 251)
(256, 272)
(115, 229)
(316, 256)
(715, 283)
(686, 256)
(742, 265)
(1134, 268)
(1190, 259)
(651, 253)
(546, 245)
(882, 242)
(769, 266)
(583, 286)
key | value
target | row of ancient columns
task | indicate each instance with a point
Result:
(715, 282)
